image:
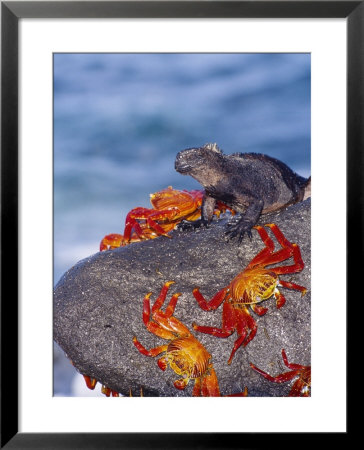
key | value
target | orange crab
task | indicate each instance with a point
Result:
(170, 207)
(253, 285)
(186, 356)
(115, 240)
(301, 387)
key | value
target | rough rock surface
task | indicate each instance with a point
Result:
(98, 309)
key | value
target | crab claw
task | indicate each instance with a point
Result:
(162, 363)
(181, 384)
(112, 241)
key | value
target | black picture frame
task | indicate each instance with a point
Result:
(11, 13)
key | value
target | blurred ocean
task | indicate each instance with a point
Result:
(120, 119)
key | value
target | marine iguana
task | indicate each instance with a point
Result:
(250, 183)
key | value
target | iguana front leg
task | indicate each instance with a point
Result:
(207, 208)
(246, 222)
(207, 212)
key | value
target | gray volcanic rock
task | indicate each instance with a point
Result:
(98, 306)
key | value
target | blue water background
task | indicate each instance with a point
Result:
(120, 119)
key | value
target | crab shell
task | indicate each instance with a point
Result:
(187, 357)
(185, 204)
(253, 286)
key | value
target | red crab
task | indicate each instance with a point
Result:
(91, 384)
(301, 387)
(170, 206)
(253, 285)
(186, 356)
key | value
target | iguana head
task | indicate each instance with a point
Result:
(192, 160)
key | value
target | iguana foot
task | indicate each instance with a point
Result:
(186, 225)
(239, 229)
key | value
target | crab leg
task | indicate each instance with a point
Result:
(244, 323)
(207, 385)
(156, 227)
(237, 344)
(162, 297)
(171, 305)
(210, 385)
(278, 234)
(260, 310)
(279, 256)
(146, 214)
(214, 303)
(268, 241)
(283, 377)
(223, 332)
(164, 326)
(294, 251)
(197, 388)
(228, 323)
(290, 285)
(266, 257)
(90, 382)
(280, 298)
(276, 257)
(301, 387)
(131, 394)
(108, 391)
(296, 267)
(172, 324)
(269, 258)
(131, 224)
(290, 365)
(241, 394)
(233, 319)
(152, 352)
(262, 255)
(154, 327)
(212, 389)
